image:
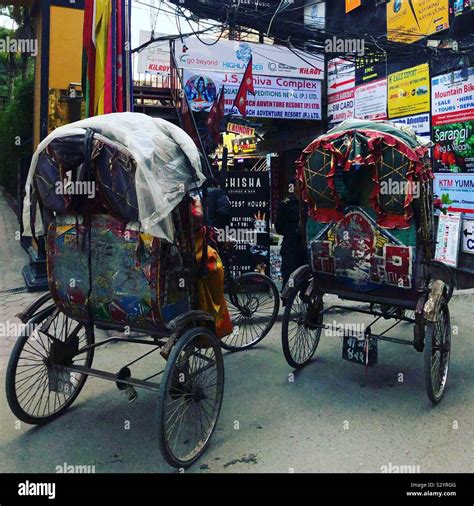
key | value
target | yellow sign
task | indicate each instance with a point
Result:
(244, 145)
(409, 91)
(352, 4)
(411, 20)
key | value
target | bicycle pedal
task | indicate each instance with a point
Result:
(131, 393)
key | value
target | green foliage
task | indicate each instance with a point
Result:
(16, 131)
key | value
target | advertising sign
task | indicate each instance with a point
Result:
(457, 190)
(244, 145)
(352, 4)
(249, 194)
(454, 147)
(275, 97)
(341, 75)
(452, 97)
(370, 67)
(315, 14)
(341, 80)
(409, 91)
(447, 239)
(155, 58)
(411, 20)
(371, 100)
(452, 104)
(461, 6)
(341, 107)
(419, 123)
(467, 236)
(233, 56)
(235, 128)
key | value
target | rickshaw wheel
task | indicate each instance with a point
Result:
(253, 302)
(300, 337)
(437, 353)
(37, 387)
(190, 396)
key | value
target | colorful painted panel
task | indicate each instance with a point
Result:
(134, 279)
(362, 254)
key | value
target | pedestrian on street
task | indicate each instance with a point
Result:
(218, 208)
(287, 223)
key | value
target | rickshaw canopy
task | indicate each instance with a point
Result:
(145, 163)
(391, 153)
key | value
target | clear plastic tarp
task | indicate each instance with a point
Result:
(162, 152)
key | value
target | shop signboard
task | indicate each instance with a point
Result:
(275, 97)
(370, 67)
(456, 191)
(419, 123)
(352, 4)
(453, 122)
(238, 129)
(315, 14)
(452, 97)
(409, 91)
(249, 195)
(467, 236)
(232, 56)
(411, 20)
(244, 145)
(340, 91)
(447, 239)
(371, 100)
(155, 58)
(462, 6)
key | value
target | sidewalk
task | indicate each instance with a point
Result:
(12, 259)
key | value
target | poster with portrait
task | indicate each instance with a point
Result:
(201, 91)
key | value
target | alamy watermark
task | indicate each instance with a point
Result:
(66, 468)
(24, 46)
(238, 235)
(70, 187)
(394, 187)
(404, 468)
(337, 45)
(345, 329)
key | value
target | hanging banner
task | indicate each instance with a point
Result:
(411, 20)
(419, 123)
(447, 239)
(409, 91)
(340, 91)
(155, 58)
(456, 191)
(275, 97)
(370, 101)
(249, 195)
(452, 97)
(233, 56)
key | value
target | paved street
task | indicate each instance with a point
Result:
(331, 418)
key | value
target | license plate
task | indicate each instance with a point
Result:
(359, 350)
(60, 381)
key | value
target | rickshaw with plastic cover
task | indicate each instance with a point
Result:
(126, 253)
(369, 230)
